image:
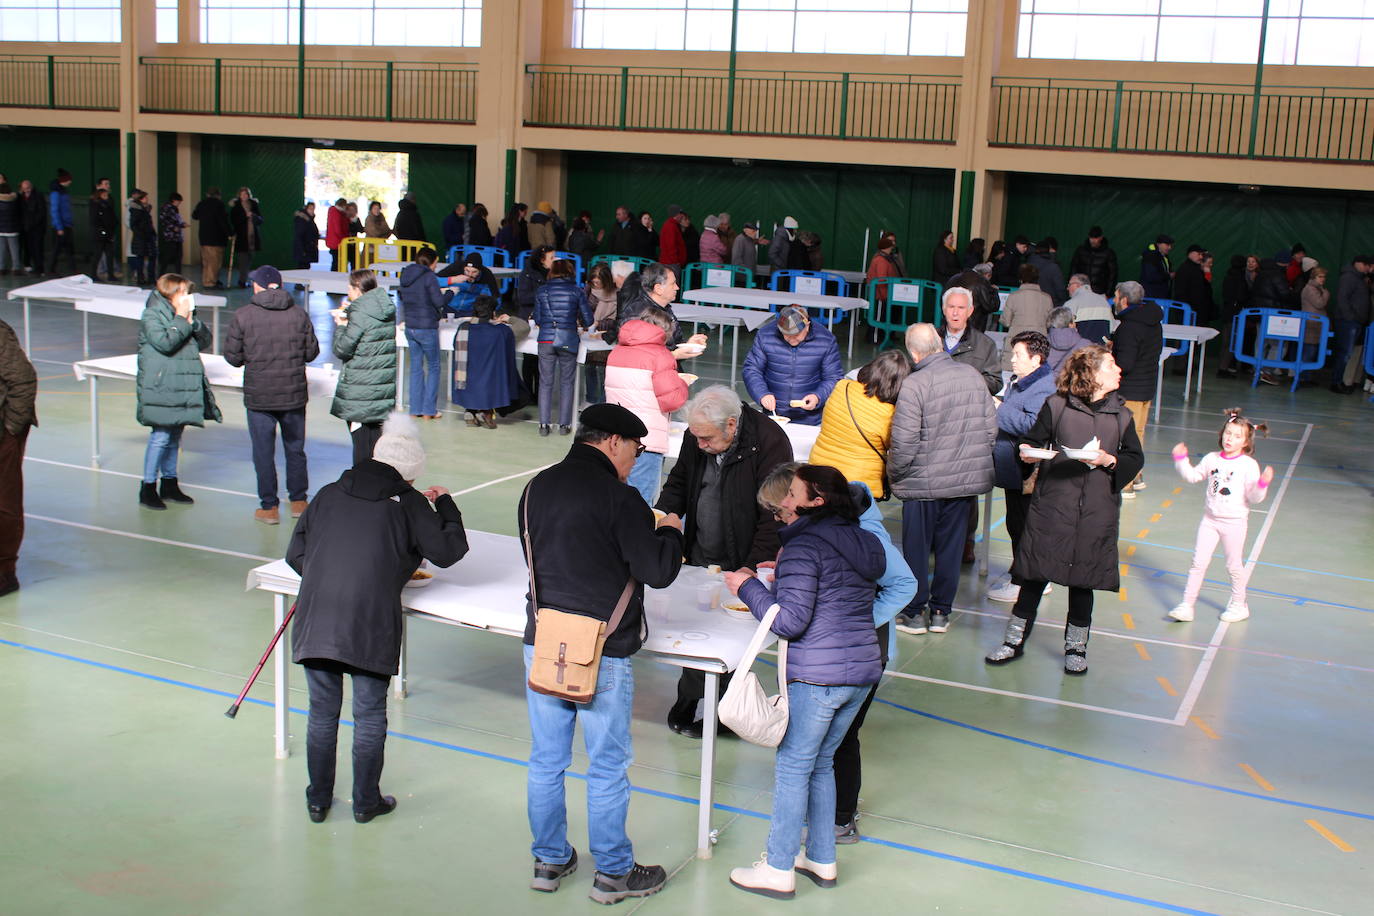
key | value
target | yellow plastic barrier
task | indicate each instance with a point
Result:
(355, 253)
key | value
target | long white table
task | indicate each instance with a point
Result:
(766, 298)
(321, 382)
(486, 591)
(328, 281)
(1198, 337)
(752, 319)
(89, 297)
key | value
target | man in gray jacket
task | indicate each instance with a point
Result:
(1350, 313)
(940, 455)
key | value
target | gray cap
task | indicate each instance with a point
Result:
(713, 222)
(792, 320)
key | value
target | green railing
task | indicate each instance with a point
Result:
(373, 91)
(59, 81)
(1185, 118)
(861, 106)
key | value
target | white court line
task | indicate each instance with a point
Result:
(148, 537)
(84, 467)
(1097, 631)
(1190, 696)
(503, 479)
(1030, 696)
(1194, 429)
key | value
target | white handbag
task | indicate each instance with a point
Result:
(745, 708)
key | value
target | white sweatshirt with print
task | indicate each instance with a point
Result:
(1232, 483)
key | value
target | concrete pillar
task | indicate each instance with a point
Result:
(510, 37)
(188, 183)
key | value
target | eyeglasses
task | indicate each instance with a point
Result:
(639, 447)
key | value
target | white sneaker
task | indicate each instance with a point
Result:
(1184, 613)
(1140, 482)
(822, 875)
(999, 581)
(1128, 494)
(1005, 592)
(1235, 612)
(1049, 587)
(762, 878)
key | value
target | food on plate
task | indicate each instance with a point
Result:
(420, 575)
(688, 377)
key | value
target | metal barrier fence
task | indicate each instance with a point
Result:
(1188, 118)
(53, 81)
(840, 105)
(382, 91)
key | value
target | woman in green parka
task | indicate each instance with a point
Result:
(365, 342)
(171, 390)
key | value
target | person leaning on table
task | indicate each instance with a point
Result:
(358, 543)
(365, 341)
(589, 532)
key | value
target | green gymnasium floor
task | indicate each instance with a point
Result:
(1196, 769)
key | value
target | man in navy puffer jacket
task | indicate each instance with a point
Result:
(793, 366)
(422, 305)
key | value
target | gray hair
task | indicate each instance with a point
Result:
(622, 269)
(983, 269)
(715, 405)
(1081, 280)
(955, 291)
(653, 275)
(1060, 318)
(1132, 290)
(922, 339)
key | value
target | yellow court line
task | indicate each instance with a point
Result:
(1141, 535)
(1139, 647)
(1330, 837)
(1156, 517)
(1167, 503)
(1260, 781)
(1168, 688)
(1130, 550)
(1125, 568)
(1126, 619)
(1177, 490)
(48, 378)
(1122, 594)
(1206, 729)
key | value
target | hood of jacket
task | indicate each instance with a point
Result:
(860, 549)
(539, 216)
(377, 303)
(406, 204)
(412, 274)
(55, 187)
(274, 299)
(1147, 313)
(638, 333)
(1063, 339)
(372, 480)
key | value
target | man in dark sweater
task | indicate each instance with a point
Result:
(588, 533)
(273, 340)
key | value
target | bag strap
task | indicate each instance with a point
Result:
(751, 651)
(864, 436)
(620, 606)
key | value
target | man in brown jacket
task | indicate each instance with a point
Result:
(18, 389)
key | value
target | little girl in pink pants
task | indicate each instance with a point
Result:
(1234, 483)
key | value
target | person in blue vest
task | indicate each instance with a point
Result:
(793, 366)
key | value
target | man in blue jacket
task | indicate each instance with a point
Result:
(792, 367)
(422, 305)
(60, 215)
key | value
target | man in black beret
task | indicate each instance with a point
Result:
(589, 533)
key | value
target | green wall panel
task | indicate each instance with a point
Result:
(273, 169)
(37, 153)
(837, 202)
(1333, 225)
(441, 177)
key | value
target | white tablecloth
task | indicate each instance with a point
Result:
(94, 298)
(219, 373)
(802, 437)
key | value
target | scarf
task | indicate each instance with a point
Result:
(460, 355)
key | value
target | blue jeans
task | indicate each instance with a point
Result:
(804, 771)
(322, 735)
(262, 432)
(424, 369)
(164, 442)
(606, 733)
(594, 382)
(563, 364)
(645, 475)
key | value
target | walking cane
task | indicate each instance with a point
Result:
(229, 268)
(233, 710)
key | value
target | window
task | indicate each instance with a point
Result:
(917, 27)
(1338, 33)
(59, 20)
(166, 22)
(416, 23)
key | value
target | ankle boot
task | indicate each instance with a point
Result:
(147, 496)
(170, 491)
(1013, 643)
(1075, 650)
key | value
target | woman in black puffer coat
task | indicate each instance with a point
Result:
(1071, 527)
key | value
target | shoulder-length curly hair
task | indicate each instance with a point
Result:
(1078, 375)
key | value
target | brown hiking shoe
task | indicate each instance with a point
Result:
(267, 516)
(297, 508)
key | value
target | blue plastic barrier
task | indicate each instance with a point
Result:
(1287, 331)
(558, 255)
(831, 284)
(1176, 312)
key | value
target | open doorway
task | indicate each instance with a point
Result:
(358, 176)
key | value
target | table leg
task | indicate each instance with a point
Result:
(1201, 365)
(853, 320)
(734, 354)
(706, 801)
(399, 688)
(95, 422)
(214, 330)
(987, 534)
(28, 348)
(1188, 375)
(85, 335)
(281, 700)
(1159, 388)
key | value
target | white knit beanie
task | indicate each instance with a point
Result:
(400, 446)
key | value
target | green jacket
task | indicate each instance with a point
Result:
(172, 390)
(366, 346)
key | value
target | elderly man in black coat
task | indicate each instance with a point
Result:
(356, 546)
(273, 340)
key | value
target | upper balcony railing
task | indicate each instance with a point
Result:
(59, 81)
(845, 106)
(1321, 124)
(352, 90)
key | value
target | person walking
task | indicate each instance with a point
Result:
(245, 219)
(365, 342)
(213, 219)
(18, 394)
(273, 340)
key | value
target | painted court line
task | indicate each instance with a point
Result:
(1260, 781)
(1330, 837)
(978, 688)
(1205, 728)
(491, 483)
(148, 537)
(86, 467)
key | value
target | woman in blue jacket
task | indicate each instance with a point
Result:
(422, 305)
(560, 307)
(826, 579)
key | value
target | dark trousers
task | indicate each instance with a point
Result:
(322, 735)
(691, 688)
(848, 766)
(103, 250)
(1028, 604)
(168, 257)
(1347, 336)
(63, 243)
(262, 431)
(243, 263)
(365, 440)
(940, 525)
(33, 250)
(1018, 505)
(557, 369)
(334, 259)
(11, 499)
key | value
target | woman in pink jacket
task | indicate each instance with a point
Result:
(642, 376)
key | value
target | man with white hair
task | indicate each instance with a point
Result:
(965, 343)
(1092, 313)
(727, 452)
(940, 455)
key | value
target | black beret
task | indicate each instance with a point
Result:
(614, 419)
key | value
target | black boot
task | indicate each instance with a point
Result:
(147, 496)
(172, 492)
(1013, 643)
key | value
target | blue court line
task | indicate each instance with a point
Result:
(1125, 766)
(975, 863)
(1217, 556)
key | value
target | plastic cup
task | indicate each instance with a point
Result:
(708, 595)
(766, 576)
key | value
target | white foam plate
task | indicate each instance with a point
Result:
(1082, 454)
(1043, 453)
(694, 348)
